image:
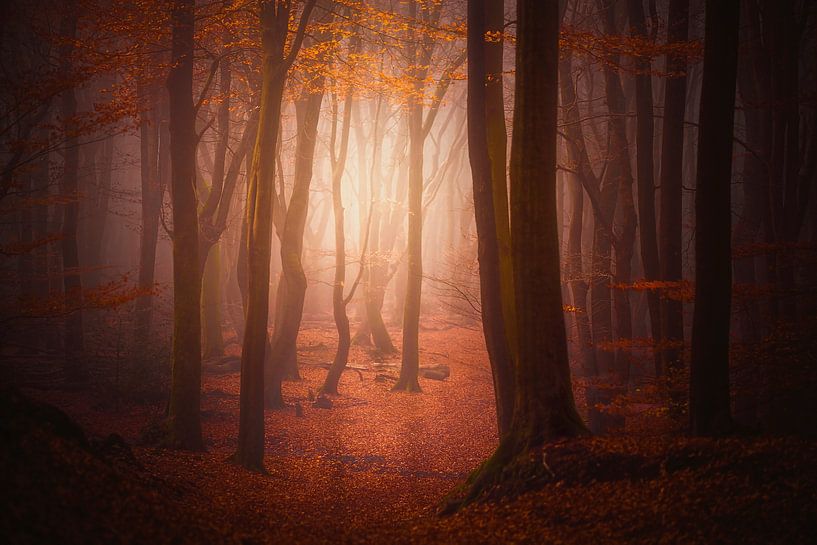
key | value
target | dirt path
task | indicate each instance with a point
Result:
(375, 459)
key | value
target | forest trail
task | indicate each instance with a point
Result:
(375, 458)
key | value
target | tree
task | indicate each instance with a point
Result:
(672, 155)
(419, 127)
(275, 15)
(183, 413)
(151, 127)
(339, 300)
(645, 173)
(544, 408)
(709, 404)
(484, 172)
(619, 173)
(72, 276)
(283, 358)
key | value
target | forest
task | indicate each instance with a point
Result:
(408, 271)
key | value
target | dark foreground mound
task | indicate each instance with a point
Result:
(653, 490)
(57, 486)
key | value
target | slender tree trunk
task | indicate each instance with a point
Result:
(497, 150)
(212, 340)
(258, 239)
(151, 208)
(752, 70)
(620, 172)
(330, 385)
(672, 155)
(184, 417)
(709, 404)
(283, 358)
(488, 252)
(645, 172)
(577, 155)
(377, 261)
(410, 365)
(72, 279)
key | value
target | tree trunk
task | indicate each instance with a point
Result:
(620, 174)
(753, 86)
(339, 301)
(421, 56)
(72, 280)
(483, 170)
(258, 239)
(151, 208)
(544, 408)
(672, 154)
(184, 417)
(212, 340)
(709, 404)
(645, 172)
(498, 152)
(600, 309)
(283, 361)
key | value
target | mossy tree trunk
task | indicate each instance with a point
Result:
(488, 212)
(544, 408)
(275, 15)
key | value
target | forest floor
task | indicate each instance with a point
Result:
(375, 467)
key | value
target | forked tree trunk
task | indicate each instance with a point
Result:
(418, 129)
(283, 357)
(709, 403)
(544, 408)
(257, 239)
(330, 385)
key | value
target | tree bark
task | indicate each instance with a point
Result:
(283, 362)
(183, 415)
(258, 238)
(709, 404)
(544, 408)
(620, 174)
(645, 172)
(151, 208)
(671, 199)
(74, 342)
(483, 170)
